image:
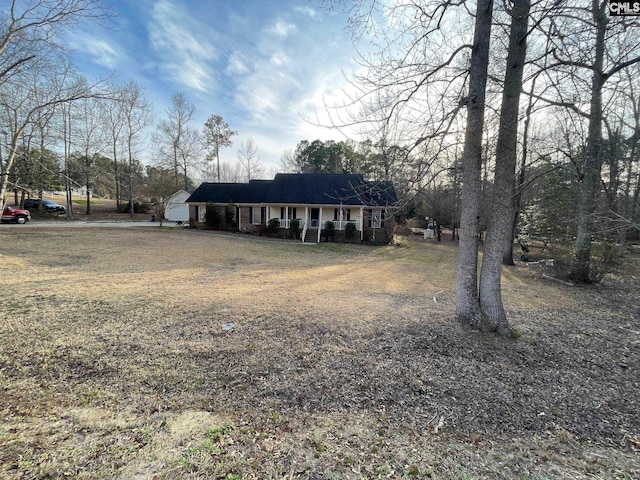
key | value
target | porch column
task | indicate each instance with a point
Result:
(306, 216)
(361, 224)
(319, 224)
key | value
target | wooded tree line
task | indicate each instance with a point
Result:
(532, 117)
(61, 131)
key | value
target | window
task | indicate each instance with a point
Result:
(256, 215)
(377, 218)
(289, 211)
(346, 214)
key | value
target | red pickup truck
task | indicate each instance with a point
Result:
(15, 215)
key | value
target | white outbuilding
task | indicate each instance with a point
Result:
(175, 210)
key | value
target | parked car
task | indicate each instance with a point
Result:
(15, 215)
(47, 205)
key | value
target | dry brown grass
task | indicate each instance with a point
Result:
(343, 362)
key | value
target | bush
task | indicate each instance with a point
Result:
(230, 215)
(350, 230)
(558, 259)
(330, 228)
(401, 235)
(273, 226)
(212, 217)
(605, 257)
(294, 229)
(138, 207)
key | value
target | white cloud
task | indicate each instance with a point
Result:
(306, 11)
(102, 53)
(281, 93)
(283, 29)
(182, 45)
(279, 59)
(237, 64)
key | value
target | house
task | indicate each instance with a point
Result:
(175, 208)
(311, 198)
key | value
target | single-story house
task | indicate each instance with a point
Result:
(311, 198)
(175, 208)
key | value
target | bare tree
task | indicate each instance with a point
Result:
(584, 63)
(190, 154)
(287, 162)
(27, 50)
(467, 301)
(217, 135)
(112, 111)
(502, 200)
(30, 29)
(20, 106)
(174, 139)
(137, 114)
(90, 139)
(250, 160)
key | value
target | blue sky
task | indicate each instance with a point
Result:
(263, 65)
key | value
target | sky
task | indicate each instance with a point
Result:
(266, 66)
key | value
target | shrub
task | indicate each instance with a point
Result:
(330, 228)
(212, 217)
(350, 230)
(138, 207)
(273, 226)
(294, 228)
(230, 215)
(605, 257)
(559, 257)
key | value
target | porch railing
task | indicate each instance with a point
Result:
(286, 223)
(341, 224)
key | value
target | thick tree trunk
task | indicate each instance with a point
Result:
(590, 183)
(467, 302)
(494, 317)
(507, 256)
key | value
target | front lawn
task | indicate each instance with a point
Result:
(169, 354)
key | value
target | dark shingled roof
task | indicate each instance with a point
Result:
(300, 189)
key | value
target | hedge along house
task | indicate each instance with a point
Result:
(311, 198)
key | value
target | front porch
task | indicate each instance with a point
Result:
(352, 224)
(312, 220)
(340, 225)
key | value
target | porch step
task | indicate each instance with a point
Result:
(312, 235)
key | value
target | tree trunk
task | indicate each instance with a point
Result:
(132, 209)
(507, 256)
(116, 174)
(467, 302)
(87, 179)
(590, 183)
(499, 229)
